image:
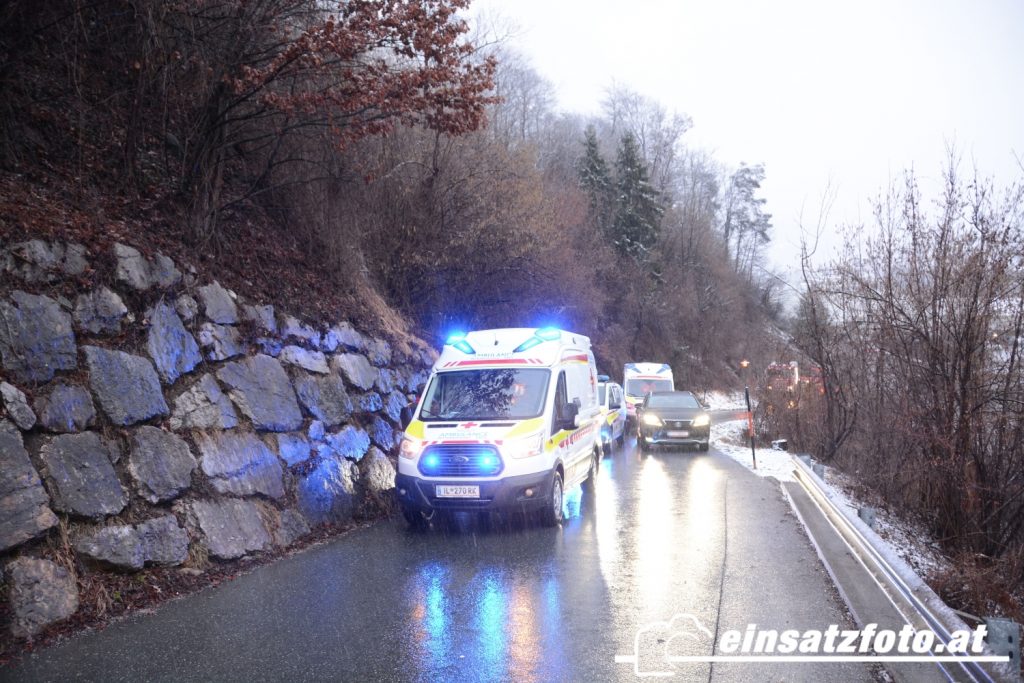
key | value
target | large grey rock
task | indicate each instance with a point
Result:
(41, 593)
(377, 474)
(388, 380)
(393, 405)
(100, 311)
(356, 370)
(164, 543)
(314, 361)
(65, 408)
(218, 304)
(36, 338)
(24, 505)
(261, 390)
(117, 546)
(231, 528)
(41, 261)
(324, 397)
(187, 307)
(327, 494)
(174, 351)
(240, 463)
(17, 406)
(293, 448)
(157, 541)
(261, 316)
(291, 328)
(287, 527)
(160, 463)
(350, 442)
(139, 273)
(343, 336)
(8, 427)
(370, 402)
(220, 341)
(378, 352)
(126, 386)
(203, 406)
(382, 434)
(80, 476)
(162, 272)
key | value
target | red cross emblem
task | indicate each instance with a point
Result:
(469, 425)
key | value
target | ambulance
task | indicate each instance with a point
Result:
(640, 379)
(508, 420)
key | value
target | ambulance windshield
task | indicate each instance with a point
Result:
(486, 395)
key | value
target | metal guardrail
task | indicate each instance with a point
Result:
(866, 551)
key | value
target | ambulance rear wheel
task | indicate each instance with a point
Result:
(551, 514)
(622, 438)
(595, 467)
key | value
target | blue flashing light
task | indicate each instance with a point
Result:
(528, 344)
(430, 462)
(487, 460)
(548, 333)
(464, 346)
(455, 337)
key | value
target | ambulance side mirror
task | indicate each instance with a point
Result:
(407, 413)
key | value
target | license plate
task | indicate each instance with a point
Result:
(457, 491)
(678, 433)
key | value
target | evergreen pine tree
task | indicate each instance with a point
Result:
(596, 180)
(638, 213)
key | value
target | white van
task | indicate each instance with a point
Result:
(509, 419)
(640, 379)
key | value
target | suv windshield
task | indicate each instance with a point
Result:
(642, 387)
(486, 395)
(674, 400)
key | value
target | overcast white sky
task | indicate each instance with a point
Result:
(850, 93)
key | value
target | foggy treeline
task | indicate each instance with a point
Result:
(918, 329)
(408, 158)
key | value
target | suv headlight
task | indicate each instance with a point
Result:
(701, 421)
(652, 420)
(410, 448)
(525, 448)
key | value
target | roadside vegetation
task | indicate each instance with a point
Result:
(918, 329)
(377, 157)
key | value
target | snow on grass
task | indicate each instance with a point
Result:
(908, 538)
(719, 400)
(731, 438)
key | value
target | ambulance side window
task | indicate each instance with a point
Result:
(614, 399)
(560, 401)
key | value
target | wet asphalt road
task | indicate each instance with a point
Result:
(663, 534)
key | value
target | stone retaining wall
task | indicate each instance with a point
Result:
(157, 415)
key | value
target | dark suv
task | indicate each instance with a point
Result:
(672, 417)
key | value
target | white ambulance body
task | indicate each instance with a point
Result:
(509, 419)
(640, 379)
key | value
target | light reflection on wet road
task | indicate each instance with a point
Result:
(667, 533)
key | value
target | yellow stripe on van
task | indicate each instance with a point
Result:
(525, 427)
(415, 429)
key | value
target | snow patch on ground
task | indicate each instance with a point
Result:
(720, 400)
(731, 438)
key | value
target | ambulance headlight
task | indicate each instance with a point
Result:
(410, 448)
(525, 448)
(701, 420)
(652, 420)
